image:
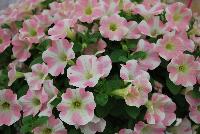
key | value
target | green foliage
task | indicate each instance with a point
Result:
(138, 55)
(37, 60)
(174, 89)
(132, 111)
(118, 55)
(44, 45)
(101, 99)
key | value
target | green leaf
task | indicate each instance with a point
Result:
(6, 26)
(196, 92)
(101, 99)
(40, 121)
(174, 89)
(56, 101)
(44, 45)
(37, 60)
(19, 24)
(118, 55)
(132, 111)
(25, 129)
(138, 55)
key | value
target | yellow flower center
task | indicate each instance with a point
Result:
(47, 131)
(76, 104)
(88, 10)
(5, 106)
(177, 17)
(170, 46)
(32, 32)
(1, 40)
(36, 101)
(113, 26)
(183, 68)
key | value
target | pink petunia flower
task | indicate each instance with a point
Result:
(183, 70)
(152, 59)
(21, 48)
(113, 27)
(148, 9)
(125, 131)
(131, 70)
(88, 70)
(183, 128)
(31, 31)
(5, 39)
(58, 55)
(53, 126)
(142, 128)
(109, 7)
(170, 46)
(62, 29)
(52, 92)
(152, 27)
(13, 74)
(77, 107)
(160, 110)
(178, 16)
(88, 10)
(97, 48)
(32, 102)
(194, 107)
(9, 107)
(36, 78)
(133, 32)
(94, 126)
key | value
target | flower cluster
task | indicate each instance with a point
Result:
(99, 66)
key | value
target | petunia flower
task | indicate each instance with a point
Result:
(9, 107)
(150, 9)
(94, 126)
(5, 39)
(21, 48)
(88, 10)
(133, 32)
(170, 46)
(131, 70)
(109, 7)
(13, 73)
(160, 110)
(88, 70)
(183, 70)
(96, 48)
(184, 127)
(136, 94)
(32, 102)
(142, 128)
(178, 16)
(58, 55)
(36, 78)
(77, 107)
(52, 93)
(194, 107)
(152, 59)
(53, 126)
(31, 31)
(113, 27)
(152, 27)
(62, 29)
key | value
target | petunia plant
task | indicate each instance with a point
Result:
(99, 66)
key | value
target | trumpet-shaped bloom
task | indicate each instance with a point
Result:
(53, 126)
(77, 107)
(152, 59)
(9, 107)
(57, 56)
(178, 16)
(31, 31)
(194, 107)
(183, 70)
(88, 10)
(62, 29)
(183, 128)
(125, 131)
(152, 27)
(36, 78)
(133, 32)
(160, 110)
(32, 102)
(113, 27)
(131, 70)
(94, 126)
(21, 48)
(170, 46)
(5, 39)
(142, 128)
(88, 70)
(52, 92)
